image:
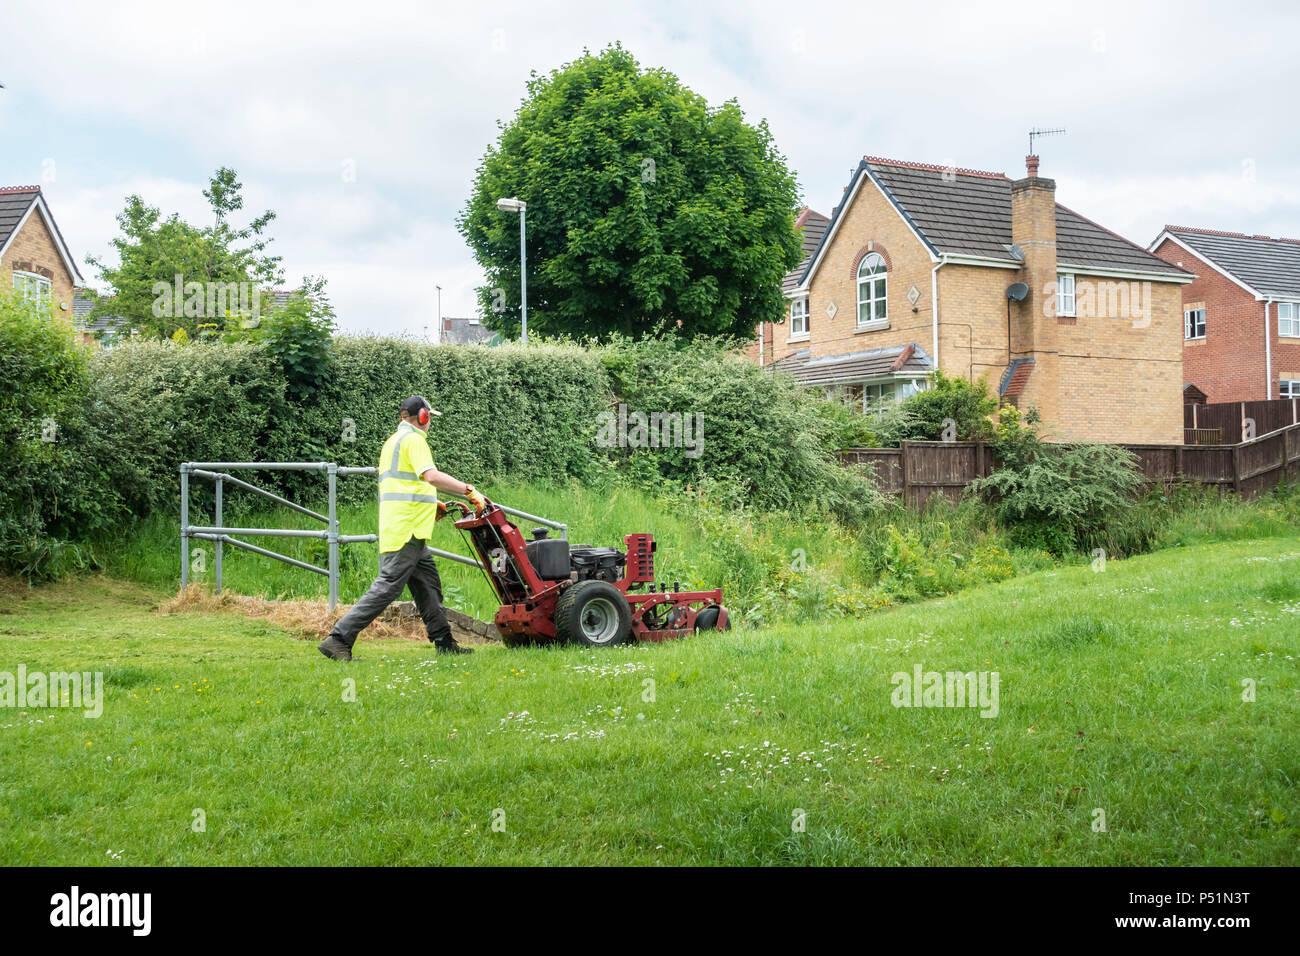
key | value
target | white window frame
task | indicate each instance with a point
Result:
(874, 395)
(1289, 388)
(1190, 324)
(1292, 320)
(873, 263)
(1065, 295)
(44, 288)
(800, 326)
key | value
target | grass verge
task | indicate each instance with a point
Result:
(1120, 692)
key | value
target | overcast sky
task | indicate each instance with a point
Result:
(1176, 112)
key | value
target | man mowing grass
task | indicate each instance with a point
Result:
(407, 513)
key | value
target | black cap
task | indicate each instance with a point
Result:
(413, 405)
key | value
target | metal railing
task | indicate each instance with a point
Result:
(220, 535)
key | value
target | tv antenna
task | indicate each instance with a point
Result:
(1036, 131)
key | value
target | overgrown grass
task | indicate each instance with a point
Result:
(772, 566)
(1120, 691)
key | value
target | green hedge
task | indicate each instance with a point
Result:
(46, 493)
(129, 416)
(506, 411)
(766, 442)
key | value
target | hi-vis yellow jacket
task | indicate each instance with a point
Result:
(408, 506)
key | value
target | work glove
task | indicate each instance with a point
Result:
(476, 499)
(442, 512)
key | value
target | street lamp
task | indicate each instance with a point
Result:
(437, 329)
(519, 206)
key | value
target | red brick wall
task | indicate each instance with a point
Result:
(1228, 365)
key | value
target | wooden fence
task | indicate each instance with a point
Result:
(919, 470)
(1230, 417)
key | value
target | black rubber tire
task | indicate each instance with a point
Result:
(707, 620)
(593, 614)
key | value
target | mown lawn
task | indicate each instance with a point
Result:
(1120, 691)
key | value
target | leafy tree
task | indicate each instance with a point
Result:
(647, 208)
(299, 334)
(153, 250)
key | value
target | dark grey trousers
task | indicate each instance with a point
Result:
(412, 567)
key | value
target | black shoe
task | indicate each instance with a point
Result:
(335, 649)
(451, 647)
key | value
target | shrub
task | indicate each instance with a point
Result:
(47, 494)
(920, 417)
(1057, 497)
(766, 442)
(156, 404)
(298, 337)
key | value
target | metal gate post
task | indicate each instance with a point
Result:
(334, 535)
(217, 549)
(185, 526)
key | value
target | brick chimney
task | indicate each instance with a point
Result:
(1034, 326)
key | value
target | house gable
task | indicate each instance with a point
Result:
(1263, 266)
(30, 242)
(1242, 354)
(23, 208)
(868, 221)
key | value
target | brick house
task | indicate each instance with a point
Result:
(34, 259)
(924, 267)
(812, 226)
(1241, 317)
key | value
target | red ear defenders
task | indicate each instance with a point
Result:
(423, 417)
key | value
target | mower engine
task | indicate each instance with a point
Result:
(551, 590)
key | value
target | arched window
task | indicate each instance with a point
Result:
(871, 291)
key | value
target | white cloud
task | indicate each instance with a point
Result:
(1162, 105)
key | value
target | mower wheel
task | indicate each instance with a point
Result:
(593, 614)
(707, 620)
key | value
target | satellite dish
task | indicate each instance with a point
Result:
(1017, 291)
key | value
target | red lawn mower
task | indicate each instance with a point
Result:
(551, 590)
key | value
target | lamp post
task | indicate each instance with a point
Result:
(437, 329)
(519, 206)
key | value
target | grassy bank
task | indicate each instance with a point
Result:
(1120, 691)
(772, 566)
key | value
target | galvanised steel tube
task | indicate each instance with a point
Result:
(218, 547)
(333, 536)
(273, 532)
(185, 520)
(439, 553)
(263, 465)
(220, 477)
(263, 551)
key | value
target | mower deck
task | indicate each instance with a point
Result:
(588, 604)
